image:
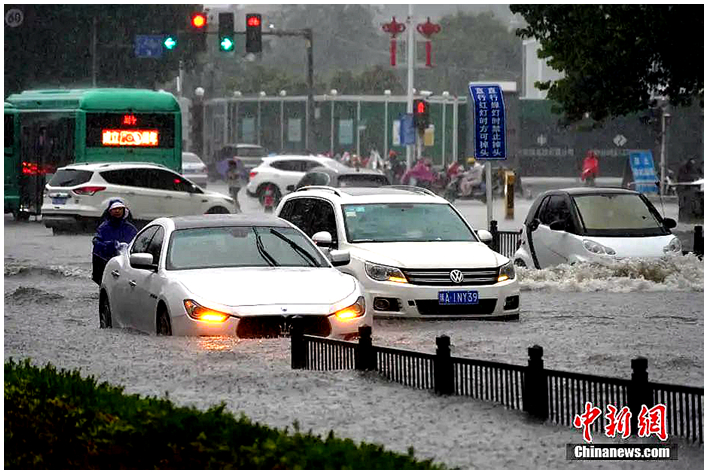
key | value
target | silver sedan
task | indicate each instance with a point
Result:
(248, 276)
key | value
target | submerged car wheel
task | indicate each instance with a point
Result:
(104, 312)
(218, 210)
(164, 328)
(520, 263)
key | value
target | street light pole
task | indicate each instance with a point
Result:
(411, 58)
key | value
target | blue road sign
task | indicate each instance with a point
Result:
(407, 129)
(642, 164)
(148, 46)
(489, 121)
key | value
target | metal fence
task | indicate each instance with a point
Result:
(504, 242)
(545, 394)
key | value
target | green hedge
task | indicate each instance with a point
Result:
(60, 420)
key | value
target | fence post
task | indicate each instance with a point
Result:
(365, 357)
(494, 230)
(698, 240)
(298, 348)
(638, 393)
(535, 390)
(442, 370)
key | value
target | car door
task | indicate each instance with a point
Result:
(146, 285)
(125, 301)
(145, 193)
(551, 246)
(178, 197)
(323, 220)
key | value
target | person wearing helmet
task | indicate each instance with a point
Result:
(472, 178)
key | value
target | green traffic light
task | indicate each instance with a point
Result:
(226, 44)
(169, 43)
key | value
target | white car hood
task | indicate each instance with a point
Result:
(238, 287)
(428, 254)
(635, 247)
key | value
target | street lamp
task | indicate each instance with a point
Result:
(333, 93)
(237, 95)
(387, 94)
(282, 93)
(665, 121)
(261, 94)
(445, 96)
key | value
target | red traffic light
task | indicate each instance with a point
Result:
(253, 20)
(199, 20)
(420, 107)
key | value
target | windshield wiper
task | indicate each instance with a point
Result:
(301, 251)
(261, 250)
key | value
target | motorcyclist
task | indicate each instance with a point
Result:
(591, 168)
(420, 174)
(109, 235)
(472, 178)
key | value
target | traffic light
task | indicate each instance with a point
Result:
(170, 42)
(421, 116)
(253, 33)
(226, 32)
(198, 28)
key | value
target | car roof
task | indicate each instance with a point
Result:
(589, 190)
(345, 171)
(113, 165)
(364, 195)
(228, 220)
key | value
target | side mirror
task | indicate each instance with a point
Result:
(339, 257)
(290, 188)
(560, 224)
(485, 236)
(142, 261)
(322, 239)
(669, 223)
(534, 224)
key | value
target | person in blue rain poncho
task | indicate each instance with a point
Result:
(114, 230)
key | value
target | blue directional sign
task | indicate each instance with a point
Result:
(407, 129)
(489, 121)
(148, 46)
(642, 164)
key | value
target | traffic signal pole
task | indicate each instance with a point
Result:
(410, 149)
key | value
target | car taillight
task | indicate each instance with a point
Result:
(252, 174)
(88, 190)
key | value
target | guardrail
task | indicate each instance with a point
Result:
(545, 394)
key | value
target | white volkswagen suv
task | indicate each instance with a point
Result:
(77, 195)
(413, 252)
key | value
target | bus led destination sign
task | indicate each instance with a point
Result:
(130, 138)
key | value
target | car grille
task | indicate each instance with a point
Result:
(441, 277)
(432, 307)
(277, 326)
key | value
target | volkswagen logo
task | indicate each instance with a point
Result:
(456, 276)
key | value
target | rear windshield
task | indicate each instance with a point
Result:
(252, 152)
(70, 177)
(191, 158)
(362, 180)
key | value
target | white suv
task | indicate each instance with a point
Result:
(77, 195)
(282, 173)
(413, 252)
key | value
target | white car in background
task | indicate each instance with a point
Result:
(77, 195)
(280, 174)
(600, 225)
(413, 252)
(194, 169)
(244, 276)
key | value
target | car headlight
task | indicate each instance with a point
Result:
(506, 272)
(356, 310)
(599, 249)
(384, 273)
(674, 246)
(200, 313)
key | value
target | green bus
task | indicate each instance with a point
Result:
(58, 127)
(12, 162)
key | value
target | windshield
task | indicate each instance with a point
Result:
(618, 214)
(362, 180)
(404, 223)
(255, 246)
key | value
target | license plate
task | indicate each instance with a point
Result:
(458, 297)
(59, 200)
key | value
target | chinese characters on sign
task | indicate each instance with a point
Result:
(650, 421)
(489, 122)
(130, 137)
(642, 164)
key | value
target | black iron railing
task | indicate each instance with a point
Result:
(545, 394)
(504, 242)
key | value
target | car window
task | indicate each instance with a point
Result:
(287, 209)
(323, 219)
(256, 246)
(252, 152)
(167, 181)
(315, 178)
(70, 177)
(307, 165)
(284, 165)
(615, 212)
(370, 180)
(300, 216)
(405, 222)
(142, 240)
(119, 177)
(155, 245)
(556, 209)
(191, 158)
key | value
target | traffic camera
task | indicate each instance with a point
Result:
(253, 33)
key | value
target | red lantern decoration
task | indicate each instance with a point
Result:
(394, 29)
(428, 29)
